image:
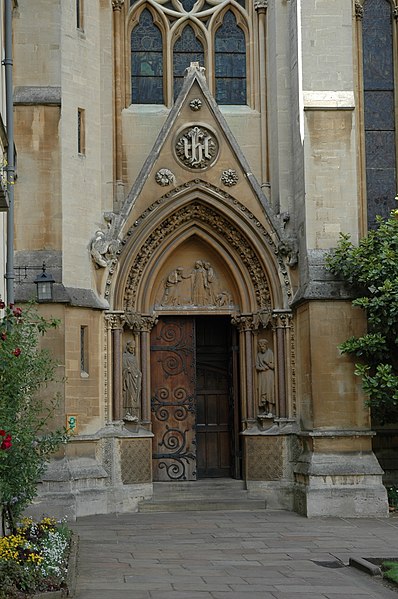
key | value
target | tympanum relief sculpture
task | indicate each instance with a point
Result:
(197, 287)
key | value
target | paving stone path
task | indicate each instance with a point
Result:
(230, 555)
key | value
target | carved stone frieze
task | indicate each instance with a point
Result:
(165, 177)
(197, 287)
(225, 228)
(196, 147)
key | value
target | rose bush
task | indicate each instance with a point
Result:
(26, 441)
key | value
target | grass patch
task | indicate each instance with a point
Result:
(390, 571)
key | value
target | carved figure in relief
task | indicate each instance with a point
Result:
(170, 295)
(200, 285)
(197, 288)
(211, 277)
(132, 379)
(266, 377)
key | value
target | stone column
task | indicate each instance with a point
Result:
(115, 322)
(148, 322)
(281, 324)
(261, 8)
(117, 6)
(245, 324)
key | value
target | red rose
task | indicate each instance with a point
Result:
(3, 336)
(2, 432)
(17, 351)
(2, 305)
(6, 444)
(17, 312)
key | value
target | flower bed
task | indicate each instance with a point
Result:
(35, 559)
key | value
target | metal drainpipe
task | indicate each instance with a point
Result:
(9, 276)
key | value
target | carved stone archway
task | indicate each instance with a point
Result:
(248, 252)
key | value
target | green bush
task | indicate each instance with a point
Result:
(371, 268)
(26, 442)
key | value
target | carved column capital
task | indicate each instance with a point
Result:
(139, 323)
(133, 321)
(115, 320)
(244, 322)
(358, 10)
(148, 322)
(395, 12)
(260, 5)
(117, 4)
(282, 319)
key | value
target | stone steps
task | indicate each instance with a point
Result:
(202, 495)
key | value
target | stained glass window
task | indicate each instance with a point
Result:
(187, 49)
(146, 62)
(230, 62)
(380, 134)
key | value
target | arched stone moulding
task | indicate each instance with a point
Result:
(248, 247)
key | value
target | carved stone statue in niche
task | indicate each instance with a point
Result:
(266, 377)
(132, 378)
(202, 291)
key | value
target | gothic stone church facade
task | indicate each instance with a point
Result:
(183, 169)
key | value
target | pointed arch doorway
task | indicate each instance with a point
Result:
(194, 398)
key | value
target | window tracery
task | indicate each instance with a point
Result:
(380, 74)
(146, 61)
(213, 33)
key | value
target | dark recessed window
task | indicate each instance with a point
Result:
(146, 62)
(81, 131)
(79, 15)
(230, 62)
(380, 126)
(188, 48)
(84, 367)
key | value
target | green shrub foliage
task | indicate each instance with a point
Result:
(26, 441)
(371, 268)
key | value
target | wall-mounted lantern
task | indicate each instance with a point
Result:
(45, 283)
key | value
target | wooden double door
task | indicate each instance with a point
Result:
(195, 415)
